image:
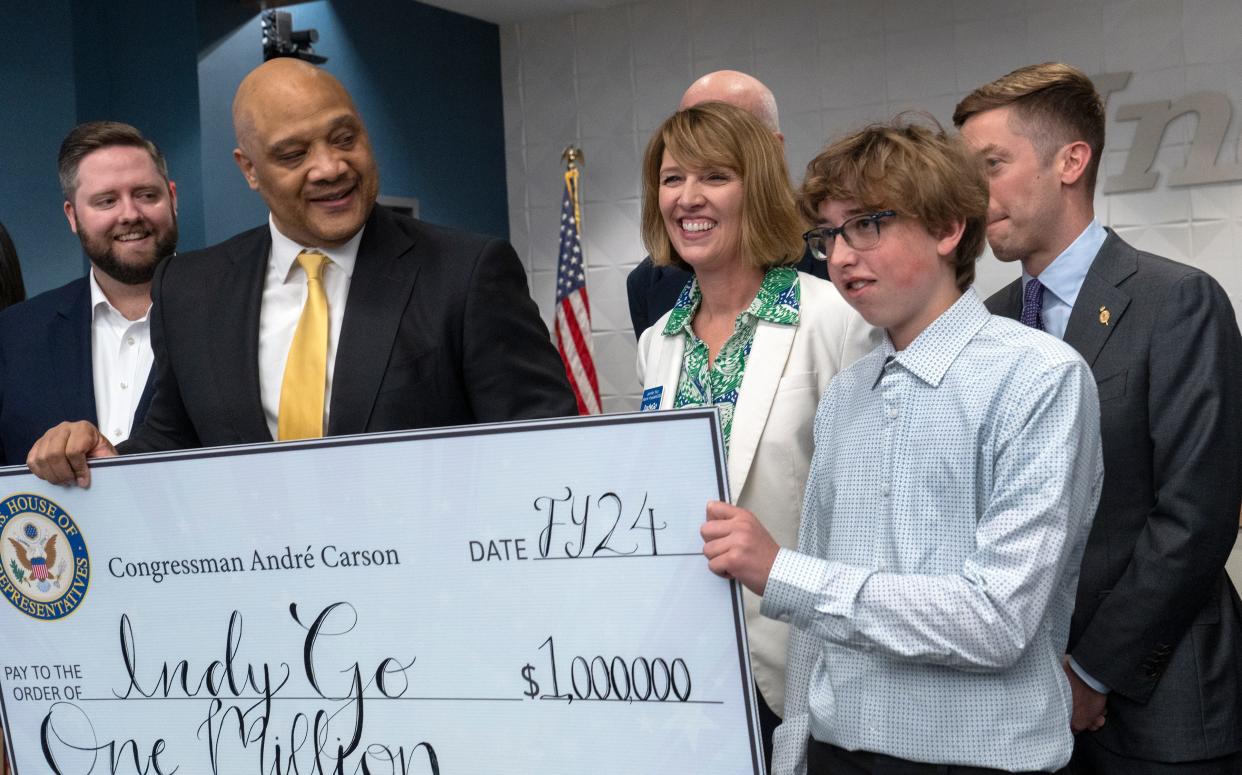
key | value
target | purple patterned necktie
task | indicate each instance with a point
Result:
(1033, 304)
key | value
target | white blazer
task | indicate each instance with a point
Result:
(770, 445)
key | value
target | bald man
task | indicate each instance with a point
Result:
(653, 290)
(424, 326)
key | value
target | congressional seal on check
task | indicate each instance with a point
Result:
(513, 598)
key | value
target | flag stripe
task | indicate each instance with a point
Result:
(581, 370)
(568, 344)
(572, 323)
(580, 323)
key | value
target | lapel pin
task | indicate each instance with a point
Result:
(1104, 316)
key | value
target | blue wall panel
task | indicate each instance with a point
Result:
(37, 96)
(426, 81)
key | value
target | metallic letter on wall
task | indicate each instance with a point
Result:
(1213, 111)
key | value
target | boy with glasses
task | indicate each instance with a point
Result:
(955, 472)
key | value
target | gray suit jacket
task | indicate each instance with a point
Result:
(1156, 618)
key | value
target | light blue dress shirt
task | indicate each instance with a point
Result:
(1063, 278)
(948, 503)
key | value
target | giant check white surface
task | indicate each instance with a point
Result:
(521, 598)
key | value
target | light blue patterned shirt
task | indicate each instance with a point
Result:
(949, 499)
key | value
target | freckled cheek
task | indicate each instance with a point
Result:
(905, 276)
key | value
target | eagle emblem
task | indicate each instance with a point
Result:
(35, 552)
(44, 565)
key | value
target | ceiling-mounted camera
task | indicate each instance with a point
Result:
(281, 40)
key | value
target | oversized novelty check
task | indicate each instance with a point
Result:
(517, 598)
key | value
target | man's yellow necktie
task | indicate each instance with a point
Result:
(306, 370)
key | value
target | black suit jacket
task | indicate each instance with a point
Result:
(653, 290)
(439, 329)
(1156, 617)
(45, 368)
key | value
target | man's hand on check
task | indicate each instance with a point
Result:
(60, 456)
(737, 546)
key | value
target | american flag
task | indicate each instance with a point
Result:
(573, 307)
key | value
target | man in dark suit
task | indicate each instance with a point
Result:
(652, 289)
(1155, 647)
(338, 316)
(83, 351)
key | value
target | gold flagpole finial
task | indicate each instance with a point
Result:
(573, 157)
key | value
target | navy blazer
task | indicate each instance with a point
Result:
(45, 368)
(1156, 617)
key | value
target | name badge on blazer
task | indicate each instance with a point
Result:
(651, 399)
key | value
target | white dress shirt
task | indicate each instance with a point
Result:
(121, 359)
(947, 508)
(284, 295)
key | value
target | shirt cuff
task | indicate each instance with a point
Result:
(1087, 678)
(803, 589)
(780, 595)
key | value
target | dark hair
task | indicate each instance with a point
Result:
(12, 289)
(915, 168)
(1055, 103)
(87, 138)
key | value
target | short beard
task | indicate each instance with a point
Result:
(132, 274)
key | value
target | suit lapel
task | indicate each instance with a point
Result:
(70, 339)
(667, 368)
(235, 341)
(764, 368)
(1101, 304)
(379, 291)
(1011, 303)
(144, 401)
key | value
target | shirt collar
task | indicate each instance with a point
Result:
(1065, 275)
(684, 308)
(934, 350)
(777, 301)
(778, 298)
(285, 252)
(101, 306)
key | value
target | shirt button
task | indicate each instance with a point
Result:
(124, 385)
(129, 340)
(884, 490)
(116, 432)
(891, 412)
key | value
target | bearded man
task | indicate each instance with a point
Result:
(83, 351)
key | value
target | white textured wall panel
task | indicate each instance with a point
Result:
(605, 79)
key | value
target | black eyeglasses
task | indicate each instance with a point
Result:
(860, 233)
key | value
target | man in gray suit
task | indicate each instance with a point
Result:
(1155, 648)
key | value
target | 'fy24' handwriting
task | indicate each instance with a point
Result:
(571, 515)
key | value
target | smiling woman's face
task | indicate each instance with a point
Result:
(702, 210)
